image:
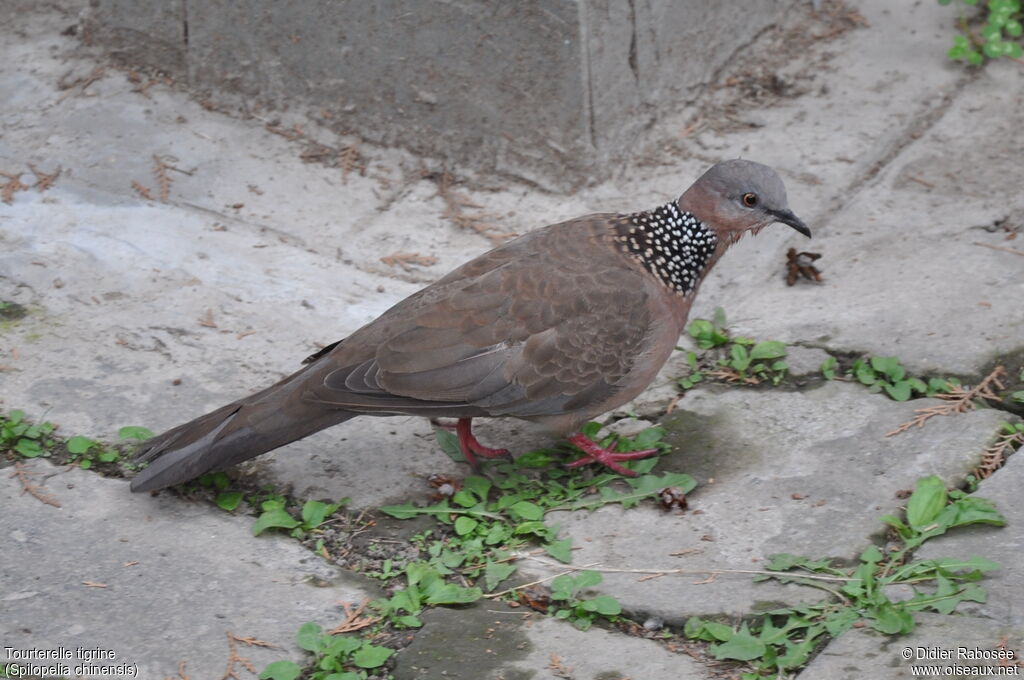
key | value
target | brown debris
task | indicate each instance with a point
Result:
(93, 584)
(354, 619)
(559, 669)
(207, 320)
(142, 190)
(799, 264)
(456, 204)
(27, 486)
(351, 160)
(182, 675)
(82, 83)
(11, 186)
(958, 400)
(408, 260)
(44, 181)
(235, 659)
(994, 456)
(163, 180)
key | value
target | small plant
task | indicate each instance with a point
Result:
(425, 585)
(888, 374)
(783, 639)
(24, 438)
(746, 360)
(997, 37)
(275, 516)
(335, 657)
(581, 611)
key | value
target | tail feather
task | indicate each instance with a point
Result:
(236, 432)
(221, 439)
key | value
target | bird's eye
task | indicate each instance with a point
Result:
(750, 200)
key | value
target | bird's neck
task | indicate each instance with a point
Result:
(672, 244)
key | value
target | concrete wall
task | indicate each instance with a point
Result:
(553, 91)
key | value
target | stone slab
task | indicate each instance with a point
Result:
(862, 653)
(493, 642)
(156, 580)
(807, 473)
(1005, 545)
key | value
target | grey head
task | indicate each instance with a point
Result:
(736, 196)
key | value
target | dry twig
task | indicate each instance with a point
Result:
(559, 669)
(24, 476)
(163, 180)
(43, 180)
(1002, 248)
(959, 399)
(456, 204)
(408, 260)
(234, 658)
(142, 190)
(182, 675)
(351, 160)
(206, 320)
(994, 456)
(354, 619)
(11, 186)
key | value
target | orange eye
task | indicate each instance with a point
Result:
(750, 200)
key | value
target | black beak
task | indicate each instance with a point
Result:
(787, 217)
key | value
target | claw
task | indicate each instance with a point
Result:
(470, 446)
(594, 453)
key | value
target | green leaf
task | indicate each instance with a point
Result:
(464, 525)
(740, 358)
(107, 456)
(768, 349)
(1018, 396)
(79, 445)
(371, 656)
(315, 512)
(899, 391)
(29, 448)
(561, 550)
(926, 502)
(309, 637)
(742, 646)
(864, 373)
(527, 510)
(85, 464)
(496, 572)
(449, 443)
(274, 519)
(281, 670)
(587, 579)
(828, 368)
(606, 605)
(891, 619)
(135, 432)
(229, 500)
(403, 511)
(449, 593)
(540, 458)
(478, 486)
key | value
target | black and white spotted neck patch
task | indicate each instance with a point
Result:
(673, 245)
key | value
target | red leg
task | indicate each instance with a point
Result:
(594, 453)
(468, 443)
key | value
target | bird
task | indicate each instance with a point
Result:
(555, 327)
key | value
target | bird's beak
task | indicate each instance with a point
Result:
(787, 217)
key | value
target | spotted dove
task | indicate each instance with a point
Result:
(555, 327)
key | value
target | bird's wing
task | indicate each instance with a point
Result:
(544, 325)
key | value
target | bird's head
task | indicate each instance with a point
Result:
(737, 196)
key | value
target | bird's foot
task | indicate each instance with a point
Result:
(595, 453)
(470, 445)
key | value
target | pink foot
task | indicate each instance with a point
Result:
(593, 453)
(469, 445)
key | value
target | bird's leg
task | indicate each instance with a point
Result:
(468, 443)
(595, 453)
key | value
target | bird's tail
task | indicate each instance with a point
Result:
(233, 433)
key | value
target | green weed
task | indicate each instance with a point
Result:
(997, 38)
(742, 359)
(335, 657)
(783, 639)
